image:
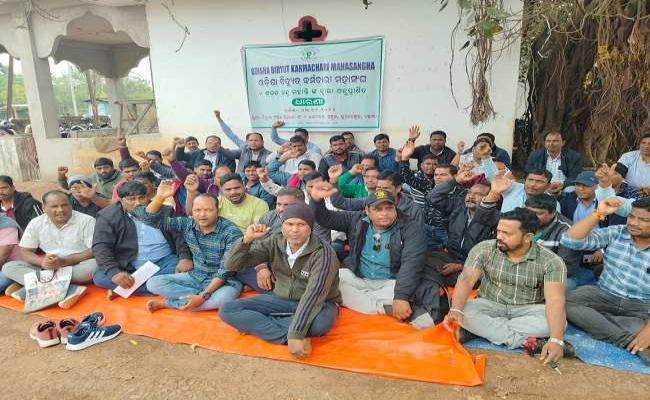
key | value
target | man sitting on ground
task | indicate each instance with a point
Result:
(552, 225)
(288, 157)
(250, 150)
(212, 152)
(123, 243)
(340, 155)
(386, 260)
(537, 182)
(128, 167)
(437, 146)
(235, 204)
(354, 176)
(205, 284)
(521, 297)
(305, 293)
(104, 178)
(385, 155)
(311, 146)
(472, 219)
(260, 277)
(254, 186)
(9, 249)
(19, 206)
(638, 165)
(83, 196)
(616, 309)
(352, 190)
(563, 163)
(65, 236)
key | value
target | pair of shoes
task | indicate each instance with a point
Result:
(91, 332)
(533, 346)
(52, 332)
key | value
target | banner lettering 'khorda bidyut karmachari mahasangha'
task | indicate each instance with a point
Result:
(328, 85)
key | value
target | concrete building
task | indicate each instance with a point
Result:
(198, 72)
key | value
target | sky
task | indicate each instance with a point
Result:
(143, 69)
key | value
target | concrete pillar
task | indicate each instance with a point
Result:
(114, 91)
(40, 93)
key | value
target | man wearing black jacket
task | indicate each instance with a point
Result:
(384, 269)
(563, 163)
(212, 152)
(122, 243)
(19, 206)
(472, 219)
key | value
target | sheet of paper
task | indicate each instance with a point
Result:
(146, 271)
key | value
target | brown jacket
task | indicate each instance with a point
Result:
(313, 279)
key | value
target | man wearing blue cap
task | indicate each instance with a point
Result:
(384, 272)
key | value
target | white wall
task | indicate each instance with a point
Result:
(207, 73)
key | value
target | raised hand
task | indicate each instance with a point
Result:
(191, 184)
(165, 189)
(609, 205)
(263, 174)
(407, 150)
(603, 175)
(62, 172)
(180, 142)
(141, 154)
(121, 140)
(356, 169)
(501, 182)
(460, 147)
(277, 124)
(88, 192)
(414, 133)
(283, 148)
(255, 231)
(217, 115)
(322, 190)
(464, 174)
(144, 165)
(334, 172)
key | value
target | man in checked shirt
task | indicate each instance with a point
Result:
(617, 308)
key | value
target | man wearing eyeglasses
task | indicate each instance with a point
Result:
(387, 250)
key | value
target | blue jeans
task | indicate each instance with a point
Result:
(249, 277)
(436, 238)
(174, 288)
(4, 283)
(268, 317)
(582, 276)
(167, 266)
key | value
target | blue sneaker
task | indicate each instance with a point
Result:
(94, 319)
(88, 335)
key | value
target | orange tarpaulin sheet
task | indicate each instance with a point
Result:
(370, 344)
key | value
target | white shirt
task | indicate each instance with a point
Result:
(292, 257)
(74, 237)
(638, 171)
(553, 166)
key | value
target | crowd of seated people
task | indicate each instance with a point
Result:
(312, 231)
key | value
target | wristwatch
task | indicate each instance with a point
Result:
(206, 295)
(556, 341)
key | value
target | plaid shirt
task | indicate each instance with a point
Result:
(208, 249)
(626, 271)
(515, 283)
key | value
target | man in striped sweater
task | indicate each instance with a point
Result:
(305, 293)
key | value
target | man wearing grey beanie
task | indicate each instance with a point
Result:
(305, 296)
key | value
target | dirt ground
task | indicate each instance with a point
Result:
(132, 368)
